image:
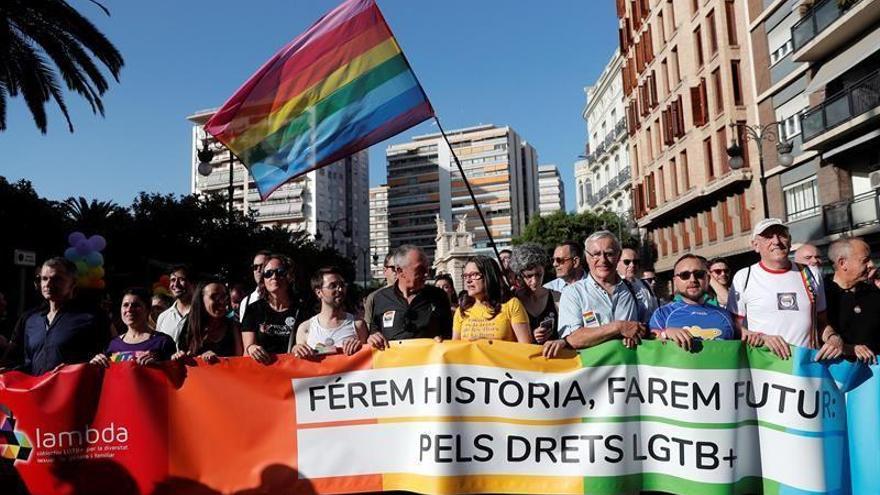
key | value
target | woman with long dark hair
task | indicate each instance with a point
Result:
(444, 282)
(270, 324)
(489, 311)
(209, 332)
(139, 342)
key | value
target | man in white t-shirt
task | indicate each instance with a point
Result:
(779, 301)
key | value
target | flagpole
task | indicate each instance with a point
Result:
(471, 192)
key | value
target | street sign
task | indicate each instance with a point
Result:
(25, 258)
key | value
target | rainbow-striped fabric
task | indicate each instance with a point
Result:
(339, 87)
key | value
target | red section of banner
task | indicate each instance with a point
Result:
(206, 429)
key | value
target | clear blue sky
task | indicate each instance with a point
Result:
(517, 63)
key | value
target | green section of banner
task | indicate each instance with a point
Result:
(614, 485)
(721, 355)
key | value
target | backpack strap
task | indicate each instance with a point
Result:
(811, 287)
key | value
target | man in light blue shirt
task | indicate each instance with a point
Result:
(568, 261)
(601, 307)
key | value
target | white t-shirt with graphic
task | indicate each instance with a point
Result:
(777, 302)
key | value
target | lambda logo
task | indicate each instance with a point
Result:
(14, 445)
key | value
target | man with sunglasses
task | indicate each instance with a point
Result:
(689, 316)
(390, 277)
(780, 301)
(628, 267)
(719, 280)
(170, 321)
(568, 262)
(409, 309)
(257, 271)
(601, 307)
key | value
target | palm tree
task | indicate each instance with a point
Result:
(94, 215)
(35, 32)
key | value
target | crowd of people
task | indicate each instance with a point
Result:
(600, 293)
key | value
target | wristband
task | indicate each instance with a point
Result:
(567, 343)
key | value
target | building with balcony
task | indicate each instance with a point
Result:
(603, 178)
(686, 77)
(817, 66)
(329, 203)
(551, 190)
(424, 182)
(380, 244)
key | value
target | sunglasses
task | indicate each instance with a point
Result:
(686, 275)
(629, 262)
(648, 280)
(719, 271)
(279, 272)
(559, 261)
(256, 268)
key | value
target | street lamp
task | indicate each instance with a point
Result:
(759, 134)
(365, 251)
(339, 225)
(205, 168)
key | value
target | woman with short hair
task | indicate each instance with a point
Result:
(489, 310)
(528, 262)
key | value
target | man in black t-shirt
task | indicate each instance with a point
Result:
(409, 309)
(853, 303)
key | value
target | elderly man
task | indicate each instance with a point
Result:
(690, 316)
(628, 269)
(782, 302)
(809, 255)
(568, 262)
(601, 307)
(409, 309)
(854, 302)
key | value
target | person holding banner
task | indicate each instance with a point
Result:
(541, 304)
(139, 343)
(332, 327)
(489, 310)
(601, 307)
(409, 309)
(853, 301)
(690, 316)
(780, 301)
(170, 321)
(209, 331)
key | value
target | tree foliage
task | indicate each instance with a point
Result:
(146, 238)
(551, 230)
(41, 40)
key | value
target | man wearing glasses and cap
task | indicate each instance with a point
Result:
(780, 301)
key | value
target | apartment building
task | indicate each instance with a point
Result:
(686, 80)
(380, 244)
(551, 190)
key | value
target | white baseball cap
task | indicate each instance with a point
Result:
(766, 224)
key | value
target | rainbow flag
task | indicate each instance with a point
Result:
(339, 87)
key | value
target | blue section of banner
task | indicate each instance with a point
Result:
(863, 413)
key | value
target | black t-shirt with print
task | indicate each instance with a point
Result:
(273, 328)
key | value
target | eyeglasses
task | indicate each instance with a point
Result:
(472, 276)
(256, 268)
(559, 261)
(279, 272)
(634, 261)
(648, 280)
(338, 286)
(389, 266)
(719, 271)
(529, 275)
(608, 255)
(686, 275)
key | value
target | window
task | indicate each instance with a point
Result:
(790, 127)
(711, 227)
(662, 26)
(676, 70)
(713, 33)
(801, 199)
(695, 6)
(698, 46)
(661, 187)
(745, 223)
(707, 158)
(737, 84)
(721, 135)
(673, 177)
(780, 53)
(650, 144)
(664, 69)
(671, 5)
(700, 104)
(719, 96)
(726, 218)
(685, 173)
(730, 13)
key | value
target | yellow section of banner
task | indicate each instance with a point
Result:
(496, 353)
(483, 484)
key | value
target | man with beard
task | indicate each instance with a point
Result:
(170, 322)
(690, 316)
(601, 307)
(719, 281)
(780, 301)
(332, 327)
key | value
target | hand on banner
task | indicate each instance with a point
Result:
(552, 348)
(632, 342)
(680, 336)
(832, 349)
(351, 346)
(864, 354)
(753, 339)
(303, 351)
(377, 341)
(258, 354)
(778, 346)
(146, 359)
(177, 356)
(630, 329)
(101, 360)
(210, 357)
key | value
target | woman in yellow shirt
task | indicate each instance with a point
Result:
(489, 311)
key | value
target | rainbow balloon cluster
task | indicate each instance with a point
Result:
(85, 253)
